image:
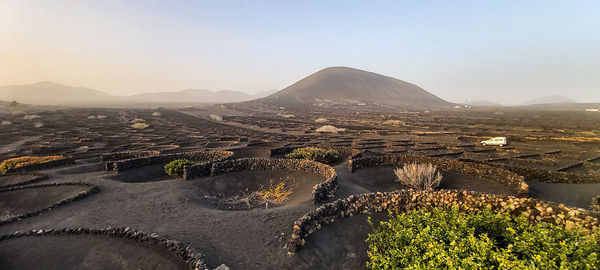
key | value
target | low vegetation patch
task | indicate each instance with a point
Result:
(274, 194)
(446, 239)
(330, 129)
(6, 123)
(316, 154)
(140, 125)
(14, 163)
(393, 123)
(419, 176)
(215, 117)
(175, 167)
(321, 120)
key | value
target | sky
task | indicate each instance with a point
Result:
(503, 51)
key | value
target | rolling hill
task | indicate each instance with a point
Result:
(49, 93)
(555, 99)
(349, 85)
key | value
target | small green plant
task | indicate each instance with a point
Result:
(315, 153)
(175, 167)
(444, 238)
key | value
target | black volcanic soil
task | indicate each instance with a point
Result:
(384, 179)
(84, 252)
(17, 179)
(237, 183)
(21, 201)
(254, 239)
(578, 195)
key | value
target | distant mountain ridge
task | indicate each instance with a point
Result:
(343, 84)
(553, 99)
(49, 93)
(193, 95)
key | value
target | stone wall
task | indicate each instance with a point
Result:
(132, 163)
(92, 189)
(184, 251)
(43, 166)
(595, 204)
(344, 151)
(110, 158)
(321, 192)
(514, 181)
(533, 174)
(403, 200)
(37, 177)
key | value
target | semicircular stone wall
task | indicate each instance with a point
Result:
(184, 251)
(132, 163)
(511, 179)
(402, 200)
(321, 192)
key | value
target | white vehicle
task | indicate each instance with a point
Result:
(500, 141)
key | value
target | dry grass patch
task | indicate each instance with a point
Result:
(140, 125)
(274, 194)
(321, 120)
(393, 123)
(14, 163)
(419, 176)
(330, 129)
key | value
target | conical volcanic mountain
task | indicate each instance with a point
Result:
(349, 85)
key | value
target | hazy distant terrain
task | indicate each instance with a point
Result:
(193, 95)
(483, 103)
(550, 100)
(49, 93)
(334, 84)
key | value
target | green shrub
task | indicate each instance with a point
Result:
(315, 153)
(175, 167)
(446, 239)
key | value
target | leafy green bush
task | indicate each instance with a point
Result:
(175, 167)
(315, 153)
(446, 239)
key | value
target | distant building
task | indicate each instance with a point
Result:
(592, 110)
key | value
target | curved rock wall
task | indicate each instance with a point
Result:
(93, 189)
(403, 200)
(38, 177)
(513, 180)
(181, 250)
(533, 174)
(321, 192)
(595, 205)
(43, 166)
(132, 163)
(343, 150)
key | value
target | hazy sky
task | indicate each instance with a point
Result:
(506, 51)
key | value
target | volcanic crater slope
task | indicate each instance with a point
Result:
(349, 85)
